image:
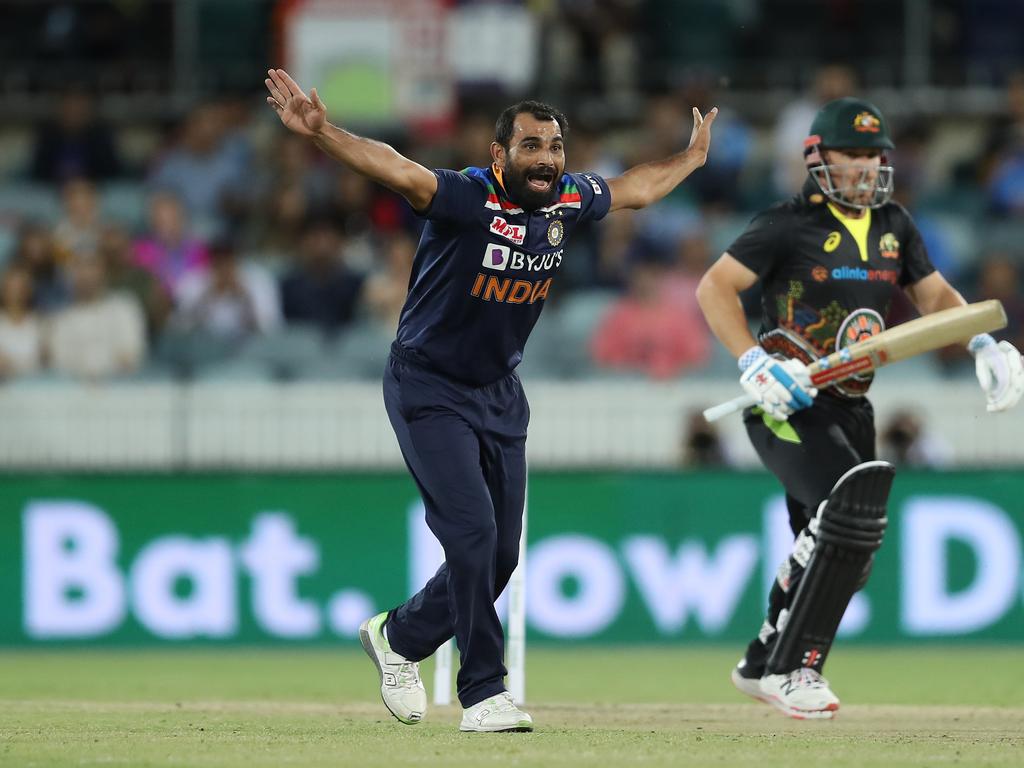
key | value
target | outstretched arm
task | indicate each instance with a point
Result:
(307, 116)
(647, 183)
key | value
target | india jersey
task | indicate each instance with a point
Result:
(484, 268)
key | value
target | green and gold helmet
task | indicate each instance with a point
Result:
(845, 124)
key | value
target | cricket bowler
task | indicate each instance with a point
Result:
(829, 261)
(489, 254)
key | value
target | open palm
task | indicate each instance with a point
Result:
(306, 115)
(700, 136)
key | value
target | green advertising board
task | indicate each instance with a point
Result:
(612, 557)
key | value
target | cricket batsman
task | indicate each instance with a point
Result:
(829, 261)
(489, 254)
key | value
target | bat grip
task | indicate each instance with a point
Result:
(716, 412)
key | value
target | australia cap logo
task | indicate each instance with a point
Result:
(865, 122)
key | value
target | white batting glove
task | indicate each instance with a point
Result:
(780, 387)
(1000, 371)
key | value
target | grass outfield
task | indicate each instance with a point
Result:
(593, 707)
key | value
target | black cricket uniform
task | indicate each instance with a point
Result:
(828, 281)
(480, 277)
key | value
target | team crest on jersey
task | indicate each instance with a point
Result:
(832, 242)
(556, 231)
(513, 232)
(889, 246)
(865, 122)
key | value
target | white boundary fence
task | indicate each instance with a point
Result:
(328, 426)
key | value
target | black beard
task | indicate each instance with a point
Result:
(520, 193)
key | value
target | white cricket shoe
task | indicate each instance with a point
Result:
(802, 693)
(498, 713)
(748, 685)
(400, 685)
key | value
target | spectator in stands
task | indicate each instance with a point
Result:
(74, 144)
(228, 299)
(1000, 279)
(78, 231)
(285, 212)
(365, 212)
(645, 330)
(205, 169)
(906, 443)
(830, 82)
(386, 288)
(320, 289)
(21, 333)
(115, 250)
(167, 250)
(717, 187)
(294, 187)
(1006, 147)
(702, 446)
(37, 253)
(102, 333)
(692, 258)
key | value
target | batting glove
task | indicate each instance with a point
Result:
(780, 387)
(1000, 371)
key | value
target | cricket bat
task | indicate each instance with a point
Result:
(923, 334)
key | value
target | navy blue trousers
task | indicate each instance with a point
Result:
(466, 448)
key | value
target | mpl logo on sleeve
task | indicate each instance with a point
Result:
(513, 232)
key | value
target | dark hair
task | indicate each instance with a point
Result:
(540, 110)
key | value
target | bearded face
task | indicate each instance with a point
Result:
(533, 163)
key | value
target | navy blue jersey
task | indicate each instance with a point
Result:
(484, 268)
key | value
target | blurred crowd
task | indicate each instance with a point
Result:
(157, 250)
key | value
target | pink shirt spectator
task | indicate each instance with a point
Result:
(170, 264)
(649, 331)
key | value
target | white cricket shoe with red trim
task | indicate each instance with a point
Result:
(803, 694)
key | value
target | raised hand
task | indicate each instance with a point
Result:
(305, 115)
(700, 136)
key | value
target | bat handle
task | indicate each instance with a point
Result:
(715, 412)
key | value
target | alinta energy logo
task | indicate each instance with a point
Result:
(865, 275)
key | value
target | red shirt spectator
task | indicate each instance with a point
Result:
(647, 331)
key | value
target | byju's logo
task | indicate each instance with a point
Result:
(496, 256)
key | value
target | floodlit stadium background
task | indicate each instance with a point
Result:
(201, 454)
